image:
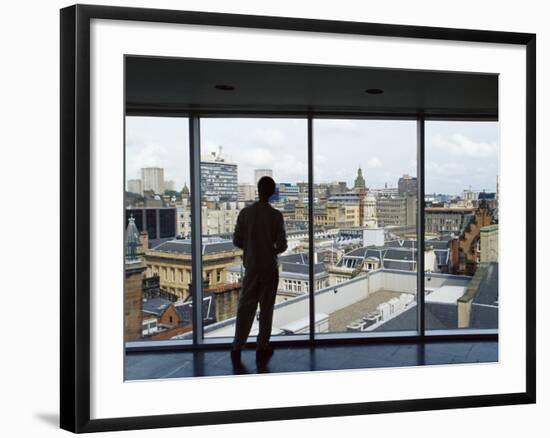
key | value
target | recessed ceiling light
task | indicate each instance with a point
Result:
(225, 87)
(374, 91)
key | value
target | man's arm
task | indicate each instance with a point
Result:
(280, 235)
(238, 235)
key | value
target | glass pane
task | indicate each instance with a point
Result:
(365, 198)
(157, 229)
(235, 154)
(461, 221)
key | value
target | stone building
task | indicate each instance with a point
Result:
(446, 220)
(407, 185)
(466, 247)
(488, 244)
(395, 210)
(294, 275)
(133, 273)
(171, 261)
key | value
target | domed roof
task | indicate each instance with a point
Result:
(185, 190)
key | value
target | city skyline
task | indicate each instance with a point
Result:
(459, 155)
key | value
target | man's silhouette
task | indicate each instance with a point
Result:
(260, 232)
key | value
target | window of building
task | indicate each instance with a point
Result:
(461, 178)
(364, 201)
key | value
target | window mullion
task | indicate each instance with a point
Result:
(196, 230)
(311, 230)
(420, 147)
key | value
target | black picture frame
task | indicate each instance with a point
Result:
(75, 216)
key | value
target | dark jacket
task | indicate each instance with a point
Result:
(260, 232)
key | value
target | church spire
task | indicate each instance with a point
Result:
(185, 190)
(132, 239)
(359, 181)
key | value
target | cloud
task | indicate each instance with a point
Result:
(345, 125)
(444, 169)
(320, 159)
(145, 155)
(269, 136)
(290, 168)
(258, 157)
(374, 163)
(461, 145)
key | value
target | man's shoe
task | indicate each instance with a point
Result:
(236, 356)
(264, 354)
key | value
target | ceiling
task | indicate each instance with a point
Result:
(171, 86)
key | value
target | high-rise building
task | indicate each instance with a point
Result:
(152, 178)
(218, 178)
(247, 192)
(134, 186)
(258, 173)
(407, 185)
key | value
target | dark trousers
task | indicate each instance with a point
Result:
(257, 288)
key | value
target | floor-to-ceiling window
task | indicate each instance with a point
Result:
(234, 154)
(363, 265)
(158, 259)
(365, 208)
(461, 219)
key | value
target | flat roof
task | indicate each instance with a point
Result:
(339, 320)
(445, 294)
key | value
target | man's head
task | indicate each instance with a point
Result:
(266, 187)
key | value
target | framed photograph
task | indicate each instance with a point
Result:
(267, 218)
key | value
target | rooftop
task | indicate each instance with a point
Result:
(183, 246)
(156, 306)
(489, 228)
(449, 210)
(445, 294)
(339, 320)
(353, 299)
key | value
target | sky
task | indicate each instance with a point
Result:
(459, 155)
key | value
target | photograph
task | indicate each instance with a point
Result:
(269, 217)
(279, 264)
(275, 219)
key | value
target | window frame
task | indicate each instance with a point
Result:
(419, 334)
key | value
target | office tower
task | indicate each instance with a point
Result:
(258, 173)
(218, 178)
(152, 178)
(134, 186)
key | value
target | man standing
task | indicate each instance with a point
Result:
(260, 233)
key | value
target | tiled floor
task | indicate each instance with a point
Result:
(156, 365)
